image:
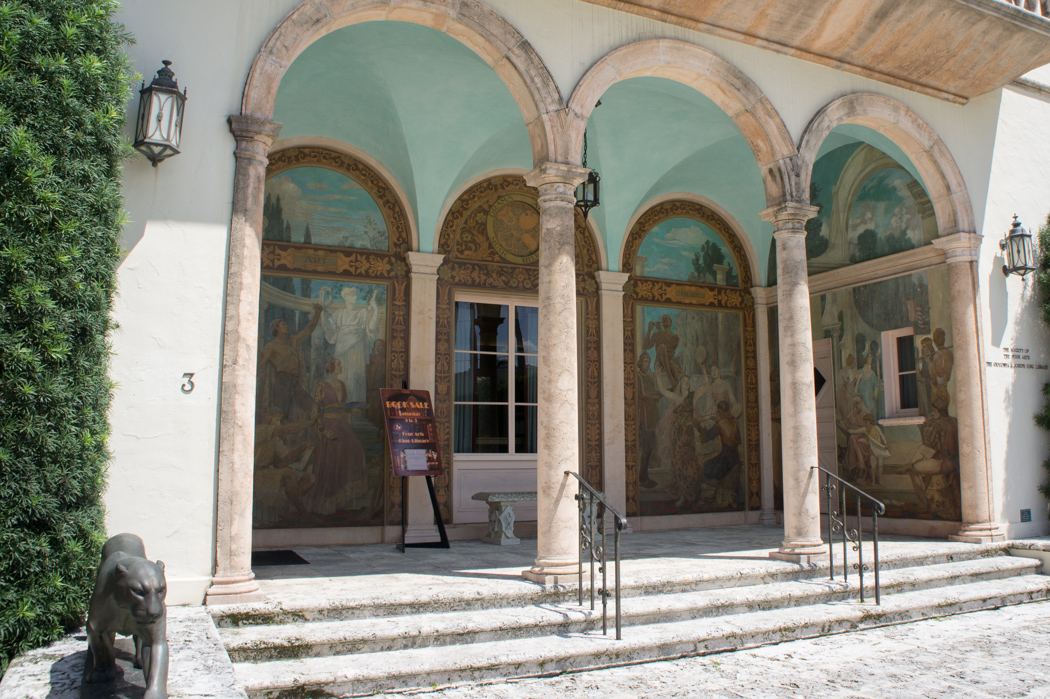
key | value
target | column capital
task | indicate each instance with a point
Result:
(423, 264)
(610, 282)
(764, 296)
(960, 247)
(556, 174)
(789, 218)
(254, 136)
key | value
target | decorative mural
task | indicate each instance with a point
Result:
(690, 411)
(869, 206)
(691, 383)
(491, 239)
(911, 463)
(686, 250)
(319, 423)
(318, 206)
(332, 332)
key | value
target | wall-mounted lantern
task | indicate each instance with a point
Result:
(588, 194)
(159, 126)
(1018, 251)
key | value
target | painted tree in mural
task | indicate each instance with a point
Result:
(1042, 281)
(816, 242)
(63, 90)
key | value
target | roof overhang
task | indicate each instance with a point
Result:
(954, 50)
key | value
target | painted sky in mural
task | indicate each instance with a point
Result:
(319, 422)
(686, 250)
(318, 206)
(883, 218)
(690, 411)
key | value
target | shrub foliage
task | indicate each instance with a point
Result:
(1042, 283)
(63, 90)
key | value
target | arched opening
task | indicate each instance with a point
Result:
(332, 332)
(691, 408)
(882, 320)
(486, 376)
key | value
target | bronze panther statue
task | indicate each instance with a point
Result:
(129, 600)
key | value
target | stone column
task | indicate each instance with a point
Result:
(610, 286)
(234, 580)
(798, 405)
(979, 523)
(422, 335)
(558, 448)
(763, 297)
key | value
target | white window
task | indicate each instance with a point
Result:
(495, 376)
(899, 373)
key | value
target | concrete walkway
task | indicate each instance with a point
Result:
(1000, 653)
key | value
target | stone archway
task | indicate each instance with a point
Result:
(475, 261)
(961, 246)
(470, 22)
(726, 85)
(710, 303)
(927, 152)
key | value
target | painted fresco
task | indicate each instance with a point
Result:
(868, 206)
(912, 468)
(686, 250)
(690, 410)
(317, 206)
(319, 421)
(883, 218)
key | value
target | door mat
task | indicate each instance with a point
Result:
(283, 557)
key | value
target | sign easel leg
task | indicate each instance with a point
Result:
(443, 543)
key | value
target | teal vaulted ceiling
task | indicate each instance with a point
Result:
(654, 136)
(846, 134)
(419, 102)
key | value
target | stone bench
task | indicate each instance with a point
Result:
(501, 515)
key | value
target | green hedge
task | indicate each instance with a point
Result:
(64, 84)
(1042, 283)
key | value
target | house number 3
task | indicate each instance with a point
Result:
(187, 383)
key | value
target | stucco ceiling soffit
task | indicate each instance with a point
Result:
(954, 50)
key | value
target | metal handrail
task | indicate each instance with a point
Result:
(586, 497)
(837, 524)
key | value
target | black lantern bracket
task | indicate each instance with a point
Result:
(588, 193)
(1018, 251)
(158, 129)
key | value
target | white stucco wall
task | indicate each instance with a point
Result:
(1019, 180)
(171, 287)
(171, 283)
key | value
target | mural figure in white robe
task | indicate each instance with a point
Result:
(352, 328)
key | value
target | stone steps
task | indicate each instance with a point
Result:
(317, 639)
(365, 673)
(521, 635)
(374, 604)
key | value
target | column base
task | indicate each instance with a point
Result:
(801, 551)
(554, 575)
(768, 518)
(982, 533)
(421, 533)
(234, 588)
